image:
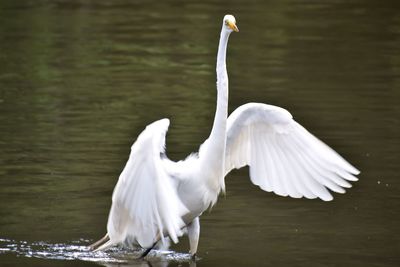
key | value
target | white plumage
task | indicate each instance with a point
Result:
(157, 198)
(145, 199)
(283, 156)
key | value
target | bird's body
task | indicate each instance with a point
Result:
(157, 198)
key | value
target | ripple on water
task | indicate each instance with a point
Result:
(78, 250)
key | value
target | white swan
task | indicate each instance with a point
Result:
(157, 198)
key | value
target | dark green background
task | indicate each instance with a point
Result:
(79, 80)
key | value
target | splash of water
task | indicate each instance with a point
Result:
(78, 250)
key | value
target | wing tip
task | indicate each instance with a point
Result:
(350, 168)
(164, 123)
(352, 177)
(327, 198)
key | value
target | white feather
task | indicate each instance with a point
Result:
(283, 156)
(156, 197)
(145, 201)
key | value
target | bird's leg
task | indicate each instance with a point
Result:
(193, 234)
(147, 251)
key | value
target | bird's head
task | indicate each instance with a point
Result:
(230, 23)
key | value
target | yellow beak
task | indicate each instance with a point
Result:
(233, 26)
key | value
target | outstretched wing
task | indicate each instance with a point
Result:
(145, 205)
(283, 156)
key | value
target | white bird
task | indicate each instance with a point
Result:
(156, 198)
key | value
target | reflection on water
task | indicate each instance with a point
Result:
(78, 250)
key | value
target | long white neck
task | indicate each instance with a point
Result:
(218, 131)
(215, 150)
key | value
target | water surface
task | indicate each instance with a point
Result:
(79, 80)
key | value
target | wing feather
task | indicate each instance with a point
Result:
(145, 204)
(282, 163)
(283, 156)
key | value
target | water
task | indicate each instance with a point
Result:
(78, 250)
(80, 79)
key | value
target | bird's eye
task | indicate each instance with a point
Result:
(226, 22)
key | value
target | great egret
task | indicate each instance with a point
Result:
(157, 198)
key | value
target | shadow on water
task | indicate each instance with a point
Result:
(78, 250)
